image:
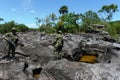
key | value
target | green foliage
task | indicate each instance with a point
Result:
(108, 10)
(53, 17)
(7, 26)
(68, 23)
(1, 19)
(46, 28)
(114, 28)
(38, 21)
(48, 24)
(89, 18)
(60, 26)
(63, 9)
(21, 28)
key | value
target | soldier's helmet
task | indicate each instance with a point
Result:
(13, 29)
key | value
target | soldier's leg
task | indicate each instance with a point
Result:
(60, 52)
(9, 50)
(55, 54)
(13, 51)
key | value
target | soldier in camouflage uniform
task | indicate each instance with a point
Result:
(12, 41)
(58, 45)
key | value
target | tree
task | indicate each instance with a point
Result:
(47, 20)
(89, 18)
(53, 18)
(46, 28)
(63, 10)
(38, 21)
(1, 19)
(108, 10)
(7, 26)
(68, 23)
(60, 26)
(116, 26)
(113, 28)
(46, 25)
(22, 28)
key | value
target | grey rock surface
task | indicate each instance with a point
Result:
(37, 52)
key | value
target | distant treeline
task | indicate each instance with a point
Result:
(70, 22)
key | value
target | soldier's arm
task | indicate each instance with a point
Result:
(5, 36)
(55, 40)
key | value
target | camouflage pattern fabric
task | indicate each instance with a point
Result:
(58, 45)
(12, 43)
(11, 37)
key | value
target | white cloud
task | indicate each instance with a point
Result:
(13, 9)
(32, 11)
(32, 25)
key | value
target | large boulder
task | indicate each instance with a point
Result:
(37, 53)
(66, 70)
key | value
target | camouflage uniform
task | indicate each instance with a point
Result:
(58, 45)
(12, 41)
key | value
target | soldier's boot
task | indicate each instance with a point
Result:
(8, 58)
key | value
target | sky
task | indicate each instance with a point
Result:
(25, 11)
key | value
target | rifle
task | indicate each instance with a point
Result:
(9, 41)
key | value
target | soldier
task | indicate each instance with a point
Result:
(58, 45)
(12, 42)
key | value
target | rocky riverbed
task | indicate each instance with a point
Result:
(37, 54)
